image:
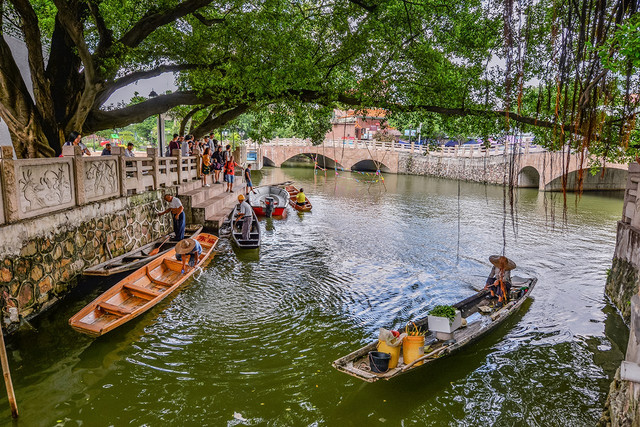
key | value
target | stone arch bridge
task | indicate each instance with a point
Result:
(534, 167)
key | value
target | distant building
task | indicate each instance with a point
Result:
(359, 124)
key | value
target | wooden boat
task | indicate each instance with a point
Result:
(138, 257)
(258, 200)
(479, 324)
(138, 292)
(236, 231)
(293, 192)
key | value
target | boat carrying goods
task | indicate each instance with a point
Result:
(388, 343)
(482, 315)
(138, 292)
(379, 361)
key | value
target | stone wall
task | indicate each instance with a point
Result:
(40, 257)
(489, 169)
(622, 407)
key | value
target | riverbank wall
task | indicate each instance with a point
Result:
(622, 286)
(41, 257)
(61, 215)
(487, 169)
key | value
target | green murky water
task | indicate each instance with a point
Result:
(250, 341)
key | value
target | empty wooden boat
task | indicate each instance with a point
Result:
(479, 324)
(138, 292)
(236, 230)
(293, 192)
(138, 257)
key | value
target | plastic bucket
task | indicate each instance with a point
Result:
(379, 362)
(412, 348)
(394, 352)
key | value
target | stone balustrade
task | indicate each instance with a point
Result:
(34, 187)
(469, 150)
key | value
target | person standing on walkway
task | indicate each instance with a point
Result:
(247, 178)
(173, 145)
(218, 162)
(129, 151)
(206, 166)
(228, 155)
(177, 213)
(246, 216)
(229, 174)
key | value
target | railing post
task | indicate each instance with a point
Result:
(122, 171)
(153, 153)
(79, 175)
(198, 156)
(178, 155)
(9, 185)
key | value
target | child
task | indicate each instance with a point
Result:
(206, 166)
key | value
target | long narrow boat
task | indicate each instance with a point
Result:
(236, 231)
(293, 192)
(138, 292)
(479, 324)
(138, 257)
(258, 200)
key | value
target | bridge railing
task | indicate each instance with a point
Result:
(33, 187)
(468, 150)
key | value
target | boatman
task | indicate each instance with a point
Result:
(188, 248)
(244, 214)
(499, 280)
(301, 198)
(177, 213)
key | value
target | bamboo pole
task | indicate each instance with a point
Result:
(7, 377)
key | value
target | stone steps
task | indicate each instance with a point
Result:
(209, 206)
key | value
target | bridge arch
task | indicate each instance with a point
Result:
(368, 165)
(323, 161)
(529, 177)
(612, 179)
(268, 162)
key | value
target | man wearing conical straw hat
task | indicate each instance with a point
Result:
(188, 248)
(499, 280)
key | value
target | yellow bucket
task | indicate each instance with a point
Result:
(412, 348)
(393, 351)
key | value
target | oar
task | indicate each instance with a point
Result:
(7, 378)
(156, 250)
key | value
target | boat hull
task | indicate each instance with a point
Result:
(137, 258)
(236, 234)
(138, 292)
(293, 192)
(258, 204)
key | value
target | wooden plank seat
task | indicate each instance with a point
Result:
(114, 309)
(141, 289)
(156, 280)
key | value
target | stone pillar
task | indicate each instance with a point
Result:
(122, 170)
(79, 173)
(9, 185)
(178, 155)
(153, 153)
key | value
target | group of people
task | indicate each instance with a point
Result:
(75, 138)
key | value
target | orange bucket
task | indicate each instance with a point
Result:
(394, 352)
(412, 349)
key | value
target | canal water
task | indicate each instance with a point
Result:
(250, 341)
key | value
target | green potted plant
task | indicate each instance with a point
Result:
(445, 319)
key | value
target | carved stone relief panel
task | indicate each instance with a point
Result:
(44, 188)
(101, 179)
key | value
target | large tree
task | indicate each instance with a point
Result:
(556, 65)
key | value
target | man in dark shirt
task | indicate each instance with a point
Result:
(107, 150)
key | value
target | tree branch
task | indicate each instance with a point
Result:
(133, 77)
(186, 118)
(149, 23)
(207, 21)
(365, 6)
(212, 123)
(106, 35)
(101, 120)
